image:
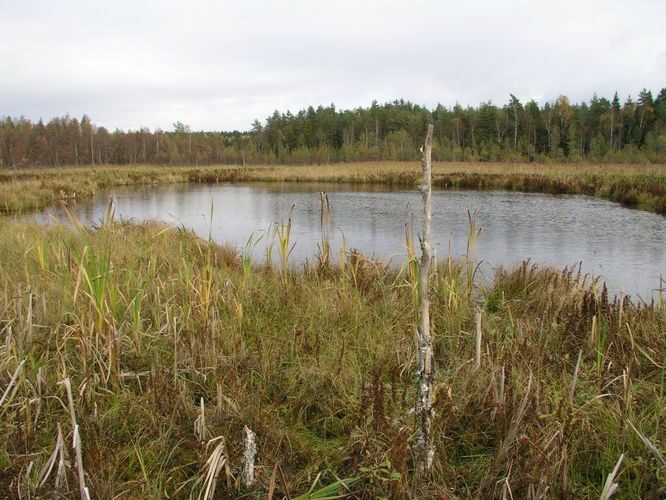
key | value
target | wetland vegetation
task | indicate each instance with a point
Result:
(641, 186)
(132, 356)
(235, 302)
(171, 345)
(170, 341)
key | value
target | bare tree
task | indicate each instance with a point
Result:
(515, 103)
(425, 447)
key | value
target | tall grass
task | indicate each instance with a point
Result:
(282, 235)
(171, 350)
(641, 186)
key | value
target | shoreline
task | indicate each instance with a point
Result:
(636, 186)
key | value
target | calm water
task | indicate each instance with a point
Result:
(625, 247)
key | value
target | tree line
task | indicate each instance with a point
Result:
(600, 130)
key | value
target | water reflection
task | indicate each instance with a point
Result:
(625, 247)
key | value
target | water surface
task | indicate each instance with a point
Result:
(625, 247)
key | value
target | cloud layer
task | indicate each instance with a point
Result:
(218, 65)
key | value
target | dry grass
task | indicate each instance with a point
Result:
(172, 347)
(643, 186)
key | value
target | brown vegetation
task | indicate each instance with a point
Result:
(172, 346)
(632, 185)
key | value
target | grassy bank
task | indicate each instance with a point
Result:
(170, 342)
(632, 185)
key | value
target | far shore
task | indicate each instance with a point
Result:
(633, 185)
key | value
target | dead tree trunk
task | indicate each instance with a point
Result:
(425, 447)
(249, 454)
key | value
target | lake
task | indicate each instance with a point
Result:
(625, 247)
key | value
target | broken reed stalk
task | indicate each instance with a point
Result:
(610, 486)
(76, 442)
(650, 446)
(11, 383)
(217, 461)
(200, 423)
(425, 447)
(478, 338)
(58, 451)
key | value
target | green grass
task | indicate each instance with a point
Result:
(148, 321)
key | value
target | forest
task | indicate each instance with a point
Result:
(600, 131)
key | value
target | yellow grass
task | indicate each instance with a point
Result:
(643, 186)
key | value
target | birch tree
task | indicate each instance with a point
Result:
(425, 446)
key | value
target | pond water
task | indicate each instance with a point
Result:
(627, 248)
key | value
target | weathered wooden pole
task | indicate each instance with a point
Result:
(425, 448)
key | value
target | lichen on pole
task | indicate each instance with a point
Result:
(425, 447)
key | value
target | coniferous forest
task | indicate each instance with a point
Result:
(601, 130)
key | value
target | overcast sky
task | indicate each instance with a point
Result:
(218, 65)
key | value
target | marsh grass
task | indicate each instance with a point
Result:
(640, 186)
(282, 234)
(168, 340)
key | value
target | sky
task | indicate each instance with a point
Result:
(219, 65)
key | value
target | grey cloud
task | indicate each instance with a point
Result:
(221, 64)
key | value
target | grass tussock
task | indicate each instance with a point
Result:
(641, 186)
(172, 346)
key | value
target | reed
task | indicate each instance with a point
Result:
(247, 254)
(324, 248)
(320, 367)
(412, 264)
(640, 186)
(473, 234)
(282, 234)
